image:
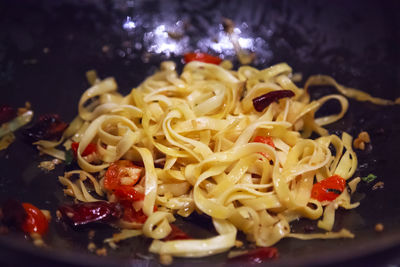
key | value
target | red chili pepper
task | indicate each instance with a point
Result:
(265, 140)
(48, 127)
(91, 148)
(263, 101)
(203, 57)
(258, 255)
(328, 189)
(176, 234)
(89, 212)
(35, 221)
(118, 170)
(126, 192)
(131, 215)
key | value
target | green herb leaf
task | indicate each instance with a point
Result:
(371, 177)
(69, 157)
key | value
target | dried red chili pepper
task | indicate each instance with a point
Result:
(7, 113)
(89, 212)
(263, 101)
(48, 127)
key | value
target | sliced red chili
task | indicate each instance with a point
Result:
(89, 212)
(118, 170)
(48, 127)
(90, 149)
(265, 140)
(203, 57)
(131, 215)
(258, 255)
(126, 192)
(7, 113)
(176, 234)
(263, 101)
(329, 188)
(35, 221)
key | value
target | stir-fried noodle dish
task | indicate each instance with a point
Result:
(231, 145)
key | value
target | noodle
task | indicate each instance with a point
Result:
(201, 126)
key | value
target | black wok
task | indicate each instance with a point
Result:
(47, 46)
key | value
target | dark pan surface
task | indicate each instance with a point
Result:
(47, 46)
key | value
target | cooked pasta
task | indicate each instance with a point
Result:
(195, 135)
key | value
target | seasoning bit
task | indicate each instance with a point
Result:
(378, 185)
(37, 240)
(46, 50)
(101, 252)
(91, 247)
(47, 165)
(379, 227)
(166, 259)
(361, 140)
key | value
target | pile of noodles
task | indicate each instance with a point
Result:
(199, 126)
